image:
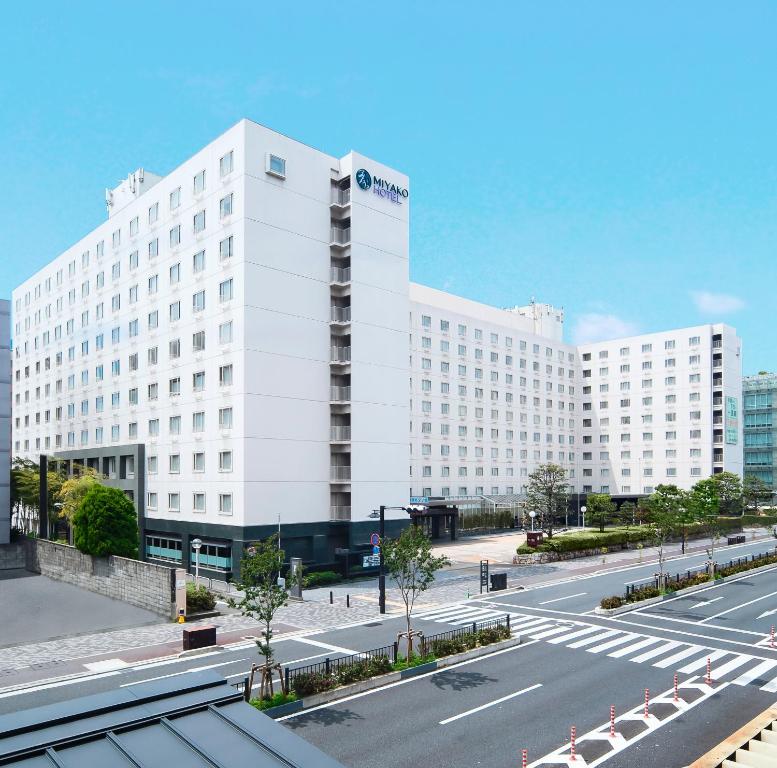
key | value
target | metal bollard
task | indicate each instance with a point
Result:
(331, 597)
(771, 637)
(676, 692)
(708, 678)
(572, 736)
(647, 702)
(524, 758)
(347, 601)
(612, 721)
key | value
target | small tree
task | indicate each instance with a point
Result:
(410, 562)
(627, 513)
(663, 522)
(673, 501)
(705, 506)
(73, 490)
(262, 597)
(755, 491)
(601, 509)
(105, 523)
(547, 494)
(728, 488)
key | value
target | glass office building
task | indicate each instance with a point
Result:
(759, 394)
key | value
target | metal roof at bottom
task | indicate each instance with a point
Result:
(199, 720)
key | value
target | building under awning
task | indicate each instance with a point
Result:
(197, 719)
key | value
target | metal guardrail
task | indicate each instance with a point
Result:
(469, 629)
(333, 666)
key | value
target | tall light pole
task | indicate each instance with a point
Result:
(381, 513)
(196, 544)
(583, 509)
(532, 515)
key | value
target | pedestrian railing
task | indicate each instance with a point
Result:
(466, 630)
(333, 666)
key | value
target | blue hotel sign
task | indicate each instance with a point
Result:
(381, 187)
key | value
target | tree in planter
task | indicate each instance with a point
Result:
(262, 597)
(755, 491)
(663, 522)
(705, 506)
(601, 509)
(410, 562)
(728, 487)
(105, 523)
(674, 501)
(547, 494)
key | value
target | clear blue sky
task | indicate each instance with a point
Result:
(616, 160)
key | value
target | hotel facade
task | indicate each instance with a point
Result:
(231, 348)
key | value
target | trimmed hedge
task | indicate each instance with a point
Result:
(742, 567)
(525, 549)
(320, 579)
(199, 598)
(276, 701)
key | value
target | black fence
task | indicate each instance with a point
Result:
(242, 687)
(333, 666)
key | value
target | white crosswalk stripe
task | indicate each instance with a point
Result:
(771, 686)
(594, 639)
(546, 633)
(572, 635)
(755, 672)
(731, 665)
(691, 650)
(653, 652)
(632, 648)
(461, 615)
(694, 666)
(611, 643)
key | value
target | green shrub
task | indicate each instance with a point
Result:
(309, 683)
(643, 593)
(687, 581)
(492, 635)
(525, 549)
(731, 570)
(276, 701)
(362, 670)
(199, 598)
(105, 523)
(320, 579)
(611, 602)
(447, 646)
(414, 661)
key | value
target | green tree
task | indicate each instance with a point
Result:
(262, 597)
(105, 523)
(73, 490)
(25, 493)
(627, 513)
(675, 502)
(729, 491)
(547, 495)
(410, 562)
(755, 492)
(705, 506)
(601, 509)
(663, 522)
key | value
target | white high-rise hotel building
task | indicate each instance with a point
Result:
(232, 345)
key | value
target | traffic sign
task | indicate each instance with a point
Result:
(376, 550)
(370, 561)
(375, 539)
(419, 499)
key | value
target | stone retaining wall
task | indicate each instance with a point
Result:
(142, 584)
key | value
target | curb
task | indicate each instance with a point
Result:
(599, 611)
(392, 677)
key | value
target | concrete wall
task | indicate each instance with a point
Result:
(143, 584)
(12, 557)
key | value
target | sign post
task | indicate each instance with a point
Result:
(483, 575)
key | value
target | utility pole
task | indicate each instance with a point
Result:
(382, 572)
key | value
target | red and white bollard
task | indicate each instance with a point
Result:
(771, 639)
(572, 737)
(676, 693)
(524, 758)
(647, 702)
(708, 679)
(612, 721)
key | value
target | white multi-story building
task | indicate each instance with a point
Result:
(5, 421)
(244, 319)
(495, 392)
(231, 348)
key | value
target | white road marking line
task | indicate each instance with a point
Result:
(59, 684)
(611, 643)
(457, 611)
(521, 625)
(106, 665)
(737, 661)
(707, 602)
(594, 639)
(702, 662)
(456, 620)
(547, 633)
(737, 607)
(327, 646)
(631, 648)
(573, 635)
(490, 704)
(182, 672)
(653, 652)
(684, 654)
(771, 686)
(559, 599)
(755, 672)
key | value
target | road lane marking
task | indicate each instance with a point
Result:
(58, 684)
(653, 652)
(559, 599)
(707, 602)
(755, 672)
(547, 633)
(490, 704)
(327, 646)
(691, 650)
(737, 607)
(594, 639)
(573, 635)
(405, 681)
(106, 665)
(182, 672)
(702, 662)
(737, 661)
(631, 648)
(771, 686)
(521, 625)
(612, 643)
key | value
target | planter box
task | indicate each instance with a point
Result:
(430, 666)
(283, 709)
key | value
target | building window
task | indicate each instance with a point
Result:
(198, 462)
(173, 502)
(225, 503)
(175, 199)
(225, 249)
(225, 333)
(199, 182)
(225, 418)
(215, 557)
(226, 164)
(198, 301)
(225, 206)
(198, 262)
(225, 291)
(198, 341)
(164, 548)
(174, 463)
(198, 505)
(198, 421)
(175, 236)
(225, 461)
(198, 381)
(199, 222)
(275, 166)
(225, 375)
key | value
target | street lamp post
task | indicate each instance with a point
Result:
(381, 513)
(583, 509)
(532, 515)
(196, 544)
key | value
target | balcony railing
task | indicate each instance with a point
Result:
(340, 394)
(339, 274)
(340, 314)
(340, 432)
(717, 344)
(340, 354)
(339, 513)
(717, 363)
(340, 236)
(341, 196)
(339, 473)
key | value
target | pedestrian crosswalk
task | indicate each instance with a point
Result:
(660, 652)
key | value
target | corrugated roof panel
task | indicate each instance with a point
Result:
(93, 753)
(155, 745)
